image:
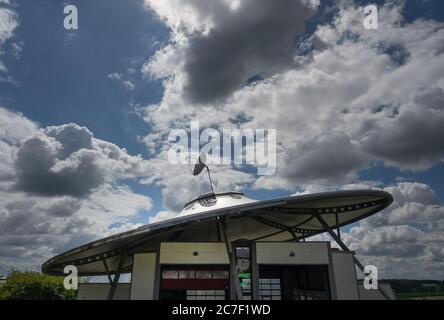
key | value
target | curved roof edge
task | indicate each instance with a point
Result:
(158, 227)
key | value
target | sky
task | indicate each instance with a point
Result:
(85, 116)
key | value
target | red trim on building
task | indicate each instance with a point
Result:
(172, 284)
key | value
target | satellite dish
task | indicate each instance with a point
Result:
(203, 158)
(200, 165)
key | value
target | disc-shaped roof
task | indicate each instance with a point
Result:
(282, 219)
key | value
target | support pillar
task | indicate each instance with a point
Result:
(232, 259)
(113, 288)
(107, 271)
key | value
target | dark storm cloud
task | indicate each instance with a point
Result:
(414, 138)
(393, 249)
(36, 160)
(67, 160)
(326, 157)
(28, 218)
(257, 38)
(64, 207)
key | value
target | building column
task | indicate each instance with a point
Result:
(254, 272)
(234, 275)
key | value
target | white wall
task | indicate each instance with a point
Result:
(182, 253)
(345, 276)
(143, 276)
(99, 291)
(280, 253)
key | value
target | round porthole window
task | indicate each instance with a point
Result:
(208, 201)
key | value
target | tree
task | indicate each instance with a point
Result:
(28, 285)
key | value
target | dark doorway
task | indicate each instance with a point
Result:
(310, 282)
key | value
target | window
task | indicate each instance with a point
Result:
(170, 274)
(195, 274)
(203, 274)
(270, 289)
(294, 282)
(220, 274)
(189, 274)
(205, 294)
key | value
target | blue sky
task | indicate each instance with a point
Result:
(62, 74)
(97, 77)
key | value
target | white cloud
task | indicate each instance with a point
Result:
(39, 221)
(162, 215)
(222, 47)
(13, 128)
(32, 229)
(110, 202)
(127, 84)
(8, 23)
(115, 76)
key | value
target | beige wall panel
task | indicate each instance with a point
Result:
(345, 276)
(280, 253)
(182, 253)
(143, 276)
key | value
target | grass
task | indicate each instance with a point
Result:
(412, 295)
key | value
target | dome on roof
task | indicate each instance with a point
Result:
(210, 201)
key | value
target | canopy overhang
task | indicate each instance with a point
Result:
(284, 219)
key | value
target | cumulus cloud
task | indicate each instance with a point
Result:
(418, 129)
(227, 42)
(306, 162)
(162, 215)
(9, 21)
(13, 128)
(68, 160)
(413, 203)
(32, 229)
(353, 97)
(36, 220)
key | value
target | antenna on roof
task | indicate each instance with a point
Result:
(200, 165)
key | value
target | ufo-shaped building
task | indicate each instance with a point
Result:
(228, 246)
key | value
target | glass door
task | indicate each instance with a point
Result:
(243, 265)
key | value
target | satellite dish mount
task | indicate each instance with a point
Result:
(200, 165)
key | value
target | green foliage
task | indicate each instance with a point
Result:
(29, 285)
(411, 295)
